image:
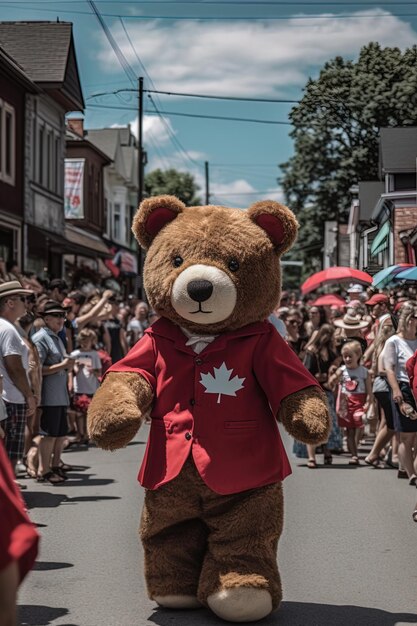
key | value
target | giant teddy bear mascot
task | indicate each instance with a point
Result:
(215, 377)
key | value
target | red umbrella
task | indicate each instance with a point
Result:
(329, 300)
(335, 275)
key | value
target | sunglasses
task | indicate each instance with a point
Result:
(294, 323)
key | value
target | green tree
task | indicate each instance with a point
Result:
(336, 127)
(174, 183)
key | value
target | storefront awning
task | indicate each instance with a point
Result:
(75, 242)
(381, 241)
(88, 240)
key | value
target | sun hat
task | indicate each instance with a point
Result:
(377, 298)
(53, 307)
(355, 289)
(351, 321)
(13, 288)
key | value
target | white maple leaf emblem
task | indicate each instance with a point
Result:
(221, 383)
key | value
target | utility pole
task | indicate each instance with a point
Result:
(206, 167)
(140, 146)
(141, 256)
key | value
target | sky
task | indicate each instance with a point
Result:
(259, 50)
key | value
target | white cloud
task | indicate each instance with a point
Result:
(250, 58)
(154, 129)
(241, 193)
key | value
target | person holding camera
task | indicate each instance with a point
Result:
(54, 396)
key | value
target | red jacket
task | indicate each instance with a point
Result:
(220, 404)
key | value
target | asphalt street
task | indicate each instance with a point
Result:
(348, 555)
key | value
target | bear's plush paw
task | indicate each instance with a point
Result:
(241, 604)
(305, 415)
(178, 602)
(118, 409)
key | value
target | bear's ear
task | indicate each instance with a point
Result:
(277, 221)
(152, 215)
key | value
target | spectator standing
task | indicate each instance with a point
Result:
(24, 326)
(381, 391)
(138, 324)
(17, 394)
(354, 395)
(317, 317)
(118, 347)
(295, 337)
(350, 328)
(55, 398)
(319, 358)
(58, 290)
(85, 378)
(398, 350)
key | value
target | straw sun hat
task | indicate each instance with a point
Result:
(350, 321)
(13, 288)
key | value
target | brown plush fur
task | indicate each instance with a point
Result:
(213, 235)
(118, 410)
(197, 542)
(304, 416)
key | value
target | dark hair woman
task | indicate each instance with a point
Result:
(319, 358)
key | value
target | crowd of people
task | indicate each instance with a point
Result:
(55, 345)
(363, 351)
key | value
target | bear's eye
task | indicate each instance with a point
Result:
(233, 265)
(177, 261)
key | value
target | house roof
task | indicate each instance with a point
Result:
(369, 194)
(16, 71)
(107, 139)
(398, 149)
(45, 51)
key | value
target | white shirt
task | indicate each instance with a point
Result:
(397, 351)
(85, 380)
(11, 343)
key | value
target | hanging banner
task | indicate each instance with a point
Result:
(74, 183)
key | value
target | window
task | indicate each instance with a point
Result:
(7, 143)
(116, 221)
(41, 153)
(48, 157)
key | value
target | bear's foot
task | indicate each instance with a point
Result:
(241, 604)
(178, 602)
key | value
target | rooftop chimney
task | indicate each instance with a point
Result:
(76, 125)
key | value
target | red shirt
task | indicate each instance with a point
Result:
(18, 537)
(221, 404)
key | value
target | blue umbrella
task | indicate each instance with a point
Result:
(388, 274)
(407, 274)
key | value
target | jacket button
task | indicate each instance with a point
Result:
(188, 436)
(199, 361)
(192, 402)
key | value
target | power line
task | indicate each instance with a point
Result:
(196, 95)
(219, 18)
(119, 54)
(243, 99)
(210, 117)
(176, 141)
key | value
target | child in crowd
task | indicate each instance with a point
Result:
(85, 380)
(354, 395)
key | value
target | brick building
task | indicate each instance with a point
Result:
(383, 220)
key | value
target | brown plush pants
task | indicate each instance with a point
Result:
(198, 542)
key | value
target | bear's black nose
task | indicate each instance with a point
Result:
(200, 290)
